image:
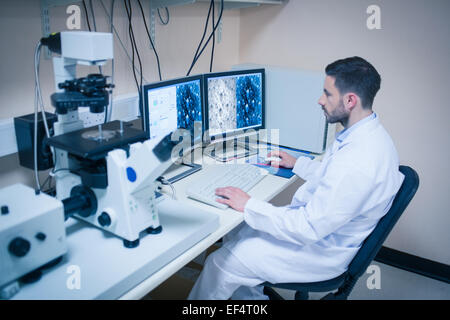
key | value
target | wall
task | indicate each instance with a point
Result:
(20, 30)
(411, 52)
(176, 43)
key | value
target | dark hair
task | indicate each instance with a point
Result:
(357, 75)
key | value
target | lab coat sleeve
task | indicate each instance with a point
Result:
(305, 167)
(339, 197)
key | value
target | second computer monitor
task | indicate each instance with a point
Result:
(234, 102)
(173, 104)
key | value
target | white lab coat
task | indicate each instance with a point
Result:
(315, 237)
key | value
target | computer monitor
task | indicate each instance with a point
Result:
(234, 102)
(173, 104)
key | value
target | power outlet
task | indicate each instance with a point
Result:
(90, 119)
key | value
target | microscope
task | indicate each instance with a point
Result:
(113, 163)
(105, 175)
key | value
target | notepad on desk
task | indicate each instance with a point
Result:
(280, 172)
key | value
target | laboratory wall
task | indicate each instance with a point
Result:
(411, 52)
(176, 43)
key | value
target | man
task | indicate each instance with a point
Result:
(343, 198)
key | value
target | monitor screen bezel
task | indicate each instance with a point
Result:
(208, 138)
(168, 83)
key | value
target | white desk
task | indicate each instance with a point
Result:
(266, 189)
(108, 270)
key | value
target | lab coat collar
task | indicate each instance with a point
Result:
(369, 121)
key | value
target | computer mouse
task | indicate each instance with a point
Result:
(270, 159)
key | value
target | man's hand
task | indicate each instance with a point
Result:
(287, 161)
(233, 197)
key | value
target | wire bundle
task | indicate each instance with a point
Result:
(212, 35)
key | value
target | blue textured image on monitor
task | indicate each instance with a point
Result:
(249, 101)
(189, 105)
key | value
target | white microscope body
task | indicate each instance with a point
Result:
(77, 47)
(32, 234)
(128, 204)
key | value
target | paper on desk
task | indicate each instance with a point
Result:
(258, 160)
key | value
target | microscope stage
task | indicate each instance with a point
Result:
(90, 143)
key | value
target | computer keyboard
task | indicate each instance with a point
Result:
(243, 176)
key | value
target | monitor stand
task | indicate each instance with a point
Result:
(228, 150)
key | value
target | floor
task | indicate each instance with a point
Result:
(394, 284)
(386, 283)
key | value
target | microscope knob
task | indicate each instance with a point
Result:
(19, 247)
(40, 236)
(104, 219)
(5, 210)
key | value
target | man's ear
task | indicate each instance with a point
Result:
(350, 100)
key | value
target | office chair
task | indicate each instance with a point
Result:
(370, 247)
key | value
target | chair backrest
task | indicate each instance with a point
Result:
(374, 241)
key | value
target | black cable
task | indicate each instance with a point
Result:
(206, 44)
(132, 45)
(137, 54)
(201, 41)
(93, 15)
(111, 18)
(87, 15)
(134, 48)
(130, 34)
(137, 50)
(150, 38)
(114, 30)
(214, 40)
(161, 19)
(212, 33)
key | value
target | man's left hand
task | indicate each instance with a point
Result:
(233, 197)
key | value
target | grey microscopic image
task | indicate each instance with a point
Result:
(222, 105)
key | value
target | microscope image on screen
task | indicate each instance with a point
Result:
(173, 104)
(189, 105)
(222, 104)
(249, 101)
(234, 102)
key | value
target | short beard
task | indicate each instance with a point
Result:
(339, 114)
